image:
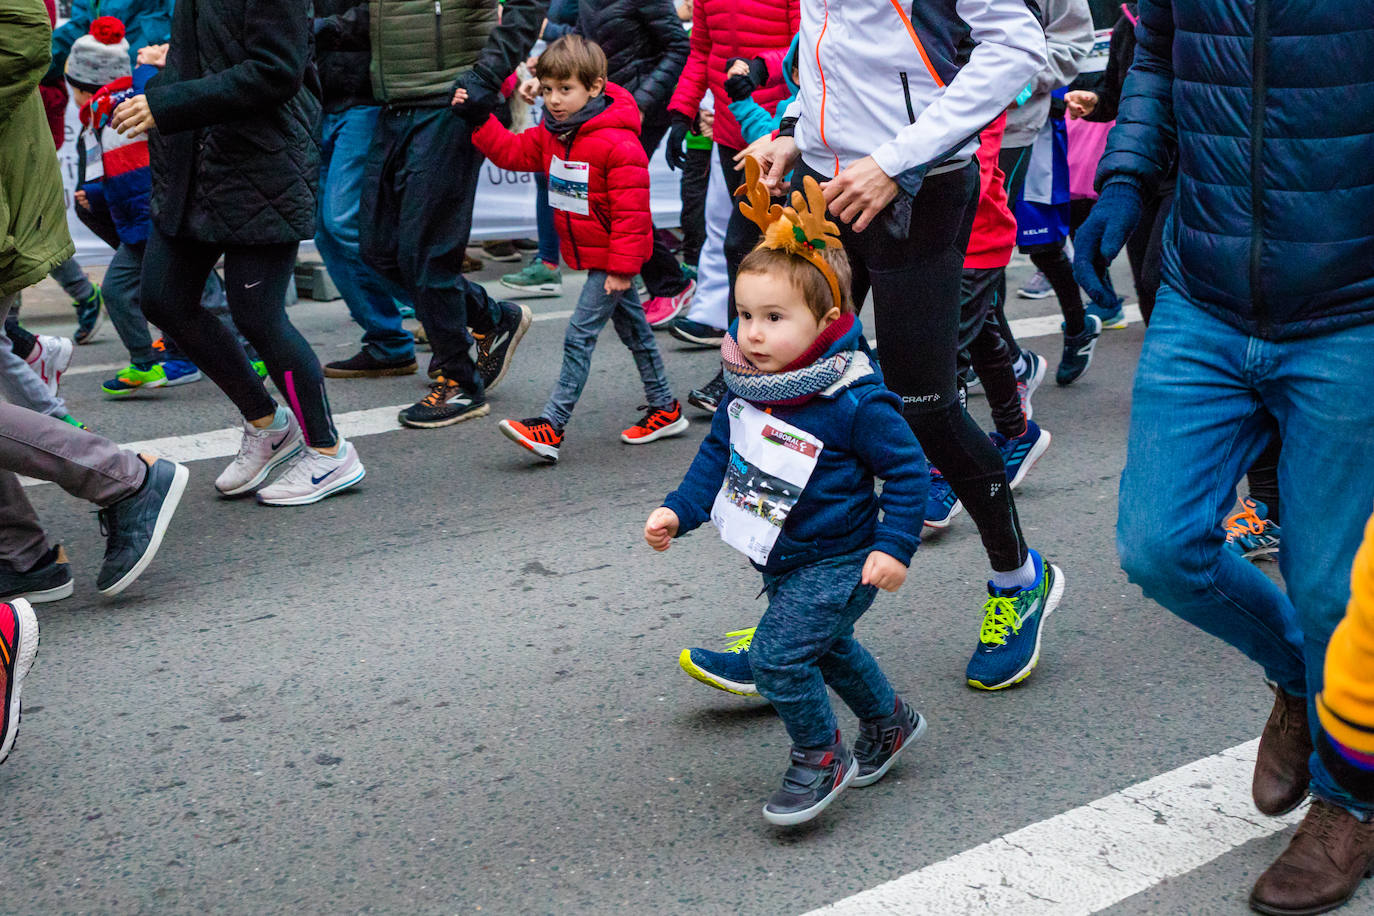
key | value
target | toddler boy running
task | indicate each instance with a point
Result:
(786, 474)
(588, 145)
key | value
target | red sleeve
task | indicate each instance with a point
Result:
(691, 86)
(774, 57)
(632, 225)
(522, 152)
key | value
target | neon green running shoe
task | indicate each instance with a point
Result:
(132, 378)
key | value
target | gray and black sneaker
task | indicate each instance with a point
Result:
(709, 396)
(811, 783)
(881, 742)
(50, 579)
(497, 346)
(447, 403)
(134, 526)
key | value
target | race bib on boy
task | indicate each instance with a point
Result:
(95, 165)
(569, 186)
(770, 463)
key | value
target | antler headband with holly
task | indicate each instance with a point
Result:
(800, 229)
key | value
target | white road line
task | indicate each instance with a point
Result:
(1092, 857)
(221, 443)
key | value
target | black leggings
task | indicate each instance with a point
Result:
(912, 256)
(255, 281)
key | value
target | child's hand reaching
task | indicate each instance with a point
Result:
(460, 95)
(880, 570)
(617, 283)
(80, 197)
(661, 527)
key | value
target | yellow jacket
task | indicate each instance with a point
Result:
(1346, 705)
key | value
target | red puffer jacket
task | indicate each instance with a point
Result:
(722, 29)
(598, 187)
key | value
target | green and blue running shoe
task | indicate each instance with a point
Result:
(1009, 642)
(132, 378)
(728, 670)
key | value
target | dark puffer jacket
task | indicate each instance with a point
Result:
(1270, 107)
(345, 75)
(235, 157)
(646, 46)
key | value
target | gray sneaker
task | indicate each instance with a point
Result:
(314, 475)
(260, 452)
(134, 526)
(811, 783)
(881, 742)
(1037, 287)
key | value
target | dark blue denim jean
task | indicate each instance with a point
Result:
(1204, 395)
(543, 218)
(805, 641)
(372, 299)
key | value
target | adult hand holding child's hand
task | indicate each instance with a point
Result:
(880, 570)
(661, 528)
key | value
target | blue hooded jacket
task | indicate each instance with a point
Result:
(1269, 105)
(860, 422)
(754, 120)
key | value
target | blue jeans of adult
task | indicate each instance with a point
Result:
(805, 641)
(1204, 395)
(594, 308)
(372, 299)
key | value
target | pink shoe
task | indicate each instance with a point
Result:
(662, 309)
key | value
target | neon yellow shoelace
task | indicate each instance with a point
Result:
(742, 640)
(999, 616)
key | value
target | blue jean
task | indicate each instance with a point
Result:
(123, 279)
(543, 217)
(594, 308)
(373, 301)
(1204, 393)
(806, 641)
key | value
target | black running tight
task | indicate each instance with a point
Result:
(912, 257)
(255, 282)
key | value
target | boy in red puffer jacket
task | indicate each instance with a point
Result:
(588, 145)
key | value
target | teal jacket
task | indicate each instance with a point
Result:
(756, 121)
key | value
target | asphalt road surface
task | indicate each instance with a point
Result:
(455, 689)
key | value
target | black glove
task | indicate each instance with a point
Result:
(482, 98)
(676, 152)
(744, 85)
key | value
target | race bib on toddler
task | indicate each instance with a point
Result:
(770, 463)
(569, 186)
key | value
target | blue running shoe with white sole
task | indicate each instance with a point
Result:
(1252, 533)
(1020, 453)
(1112, 319)
(1013, 621)
(728, 670)
(180, 372)
(941, 505)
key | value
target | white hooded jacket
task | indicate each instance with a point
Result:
(910, 82)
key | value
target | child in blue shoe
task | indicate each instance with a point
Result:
(787, 476)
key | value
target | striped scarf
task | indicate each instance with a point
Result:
(794, 385)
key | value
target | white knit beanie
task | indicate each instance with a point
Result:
(100, 57)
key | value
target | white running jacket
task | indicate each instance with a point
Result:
(910, 82)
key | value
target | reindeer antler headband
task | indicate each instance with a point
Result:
(800, 229)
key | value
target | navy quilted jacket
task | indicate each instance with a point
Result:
(1270, 106)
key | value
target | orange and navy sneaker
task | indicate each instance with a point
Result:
(536, 434)
(657, 423)
(18, 647)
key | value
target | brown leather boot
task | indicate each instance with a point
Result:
(1322, 867)
(1281, 774)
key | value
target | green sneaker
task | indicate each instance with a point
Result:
(260, 368)
(537, 279)
(132, 378)
(1013, 620)
(73, 421)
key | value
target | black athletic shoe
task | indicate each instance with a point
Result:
(134, 526)
(881, 742)
(495, 348)
(1078, 352)
(709, 396)
(49, 580)
(447, 403)
(694, 332)
(364, 365)
(811, 783)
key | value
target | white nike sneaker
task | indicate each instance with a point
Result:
(314, 475)
(50, 358)
(260, 452)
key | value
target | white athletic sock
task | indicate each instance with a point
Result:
(1017, 578)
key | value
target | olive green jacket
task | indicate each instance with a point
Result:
(33, 216)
